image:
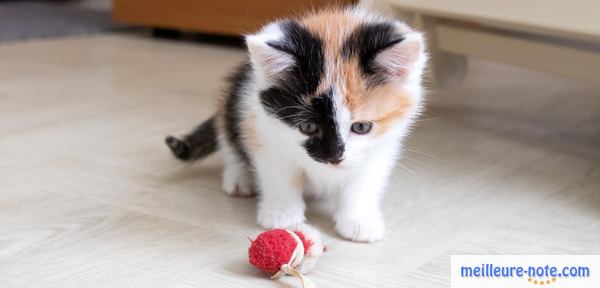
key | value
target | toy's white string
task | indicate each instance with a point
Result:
(306, 283)
(297, 257)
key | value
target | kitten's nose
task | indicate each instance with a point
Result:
(334, 152)
(337, 158)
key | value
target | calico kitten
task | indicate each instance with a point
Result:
(321, 107)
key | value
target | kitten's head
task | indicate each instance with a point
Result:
(347, 81)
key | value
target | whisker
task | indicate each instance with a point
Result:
(412, 173)
(428, 119)
(425, 154)
(404, 172)
(415, 161)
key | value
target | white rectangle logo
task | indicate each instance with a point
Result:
(525, 271)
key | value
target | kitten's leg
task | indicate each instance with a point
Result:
(281, 202)
(237, 177)
(358, 216)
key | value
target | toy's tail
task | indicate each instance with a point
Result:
(199, 143)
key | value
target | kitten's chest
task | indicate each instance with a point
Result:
(325, 180)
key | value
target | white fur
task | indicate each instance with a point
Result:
(237, 179)
(357, 183)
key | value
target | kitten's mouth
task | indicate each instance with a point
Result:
(335, 162)
(332, 162)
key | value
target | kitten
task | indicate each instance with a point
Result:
(321, 107)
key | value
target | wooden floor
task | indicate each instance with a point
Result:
(508, 163)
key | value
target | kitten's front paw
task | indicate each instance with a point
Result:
(360, 230)
(279, 218)
(236, 183)
(241, 189)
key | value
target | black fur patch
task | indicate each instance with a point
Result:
(180, 149)
(326, 145)
(286, 105)
(307, 50)
(367, 41)
(199, 143)
(232, 114)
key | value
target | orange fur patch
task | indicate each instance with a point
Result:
(220, 115)
(383, 105)
(249, 132)
(398, 112)
(298, 180)
(354, 87)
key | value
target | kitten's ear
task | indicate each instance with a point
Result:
(268, 60)
(405, 59)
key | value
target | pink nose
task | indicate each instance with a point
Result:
(335, 161)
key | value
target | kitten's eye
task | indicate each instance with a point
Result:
(308, 128)
(361, 127)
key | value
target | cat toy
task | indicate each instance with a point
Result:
(293, 251)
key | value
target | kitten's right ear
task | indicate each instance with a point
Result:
(404, 59)
(269, 61)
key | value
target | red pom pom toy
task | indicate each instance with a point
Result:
(282, 251)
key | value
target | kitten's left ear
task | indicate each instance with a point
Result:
(268, 60)
(405, 59)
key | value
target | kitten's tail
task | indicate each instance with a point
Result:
(199, 143)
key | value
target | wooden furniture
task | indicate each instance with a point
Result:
(550, 35)
(227, 17)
